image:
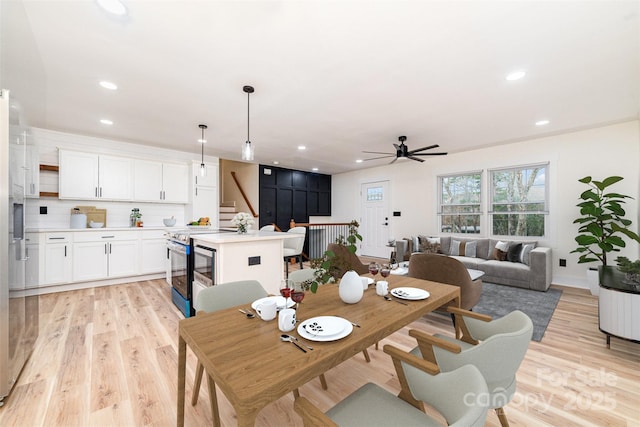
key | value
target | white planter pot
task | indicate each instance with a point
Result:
(350, 288)
(593, 279)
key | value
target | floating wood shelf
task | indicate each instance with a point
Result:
(51, 168)
(48, 194)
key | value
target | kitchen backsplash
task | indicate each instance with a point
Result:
(59, 212)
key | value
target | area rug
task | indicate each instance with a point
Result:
(498, 300)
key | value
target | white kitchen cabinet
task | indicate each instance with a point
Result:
(153, 252)
(91, 176)
(204, 201)
(104, 254)
(160, 182)
(32, 172)
(57, 258)
(32, 248)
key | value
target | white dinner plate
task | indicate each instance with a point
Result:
(400, 271)
(369, 279)
(410, 293)
(280, 302)
(318, 328)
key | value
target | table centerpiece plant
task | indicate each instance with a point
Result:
(328, 266)
(243, 221)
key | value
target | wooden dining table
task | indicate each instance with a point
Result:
(253, 367)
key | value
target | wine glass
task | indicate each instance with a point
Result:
(297, 296)
(385, 270)
(374, 268)
(285, 291)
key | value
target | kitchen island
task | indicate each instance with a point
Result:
(255, 255)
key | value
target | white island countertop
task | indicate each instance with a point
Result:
(234, 237)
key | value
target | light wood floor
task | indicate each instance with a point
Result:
(107, 357)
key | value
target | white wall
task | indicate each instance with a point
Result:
(599, 152)
(58, 211)
(247, 174)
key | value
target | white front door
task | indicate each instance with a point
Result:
(374, 224)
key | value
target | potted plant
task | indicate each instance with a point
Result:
(602, 222)
(328, 266)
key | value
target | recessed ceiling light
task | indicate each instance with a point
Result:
(275, 162)
(517, 75)
(106, 122)
(314, 169)
(359, 161)
(115, 7)
(542, 122)
(301, 147)
(108, 85)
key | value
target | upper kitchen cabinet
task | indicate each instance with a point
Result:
(204, 200)
(90, 176)
(160, 182)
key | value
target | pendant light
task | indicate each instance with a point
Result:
(203, 168)
(247, 149)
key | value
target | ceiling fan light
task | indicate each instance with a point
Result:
(115, 7)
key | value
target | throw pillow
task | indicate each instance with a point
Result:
(470, 249)
(525, 254)
(429, 245)
(499, 255)
(500, 251)
(415, 244)
(454, 248)
(513, 254)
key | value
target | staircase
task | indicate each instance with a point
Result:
(227, 211)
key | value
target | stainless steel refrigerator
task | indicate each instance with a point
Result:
(18, 312)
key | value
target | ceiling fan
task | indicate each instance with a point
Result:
(402, 151)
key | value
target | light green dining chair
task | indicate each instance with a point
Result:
(219, 297)
(459, 396)
(296, 278)
(496, 347)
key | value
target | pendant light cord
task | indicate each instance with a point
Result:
(248, 116)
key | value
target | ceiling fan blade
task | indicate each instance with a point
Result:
(397, 146)
(381, 157)
(415, 158)
(393, 161)
(378, 152)
(424, 148)
(428, 154)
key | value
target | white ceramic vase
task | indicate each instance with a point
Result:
(350, 288)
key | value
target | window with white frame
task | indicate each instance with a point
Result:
(460, 197)
(518, 201)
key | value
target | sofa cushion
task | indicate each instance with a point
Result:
(510, 271)
(470, 262)
(513, 254)
(470, 249)
(525, 254)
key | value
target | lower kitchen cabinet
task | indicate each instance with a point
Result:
(153, 252)
(104, 254)
(57, 258)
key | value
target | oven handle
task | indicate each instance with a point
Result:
(177, 247)
(203, 250)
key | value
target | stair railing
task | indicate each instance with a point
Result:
(319, 235)
(244, 195)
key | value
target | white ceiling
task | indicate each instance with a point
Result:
(337, 76)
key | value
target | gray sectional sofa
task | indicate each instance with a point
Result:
(514, 263)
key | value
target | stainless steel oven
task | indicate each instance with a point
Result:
(204, 265)
(180, 275)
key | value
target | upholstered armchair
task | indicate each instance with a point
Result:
(496, 347)
(444, 269)
(346, 261)
(456, 396)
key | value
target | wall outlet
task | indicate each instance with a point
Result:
(563, 262)
(43, 210)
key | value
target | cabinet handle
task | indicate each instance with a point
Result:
(56, 238)
(110, 248)
(65, 251)
(96, 191)
(108, 237)
(100, 191)
(164, 195)
(196, 180)
(160, 194)
(105, 248)
(33, 188)
(196, 191)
